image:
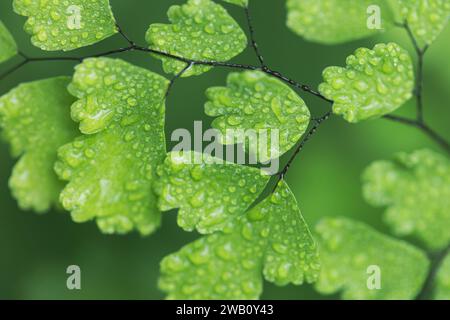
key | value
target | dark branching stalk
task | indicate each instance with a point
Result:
(125, 36)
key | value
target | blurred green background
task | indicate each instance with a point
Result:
(35, 250)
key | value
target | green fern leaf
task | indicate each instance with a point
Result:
(254, 101)
(442, 284)
(335, 21)
(112, 167)
(416, 189)
(200, 30)
(200, 185)
(8, 47)
(241, 3)
(66, 25)
(36, 121)
(272, 239)
(348, 251)
(426, 19)
(374, 83)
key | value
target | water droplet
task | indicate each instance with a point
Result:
(351, 74)
(129, 136)
(132, 102)
(132, 185)
(109, 80)
(247, 231)
(248, 110)
(277, 109)
(208, 53)
(227, 28)
(248, 287)
(42, 35)
(388, 68)
(255, 215)
(265, 232)
(259, 87)
(126, 121)
(283, 270)
(55, 15)
(382, 88)
(248, 264)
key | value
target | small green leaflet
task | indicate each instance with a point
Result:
(272, 239)
(36, 121)
(112, 167)
(200, 30)
(374, 83)
(442, 285)
(337, 21)
(427, 18)
(66, 25)
(8, 47)
(416, 189)
(241, 3)
(353, 255)
(253, 102)
(208, 191)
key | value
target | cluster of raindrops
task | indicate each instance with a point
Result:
(8, 47)
(426, 19)
(112, 167)
(254, 102)
(200, 30)
(208, 193)
(374, 83)
(35, 120)
(416, 189)
(272, 238)
(66, 24)
(347, 250)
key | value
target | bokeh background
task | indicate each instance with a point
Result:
(35, 250)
